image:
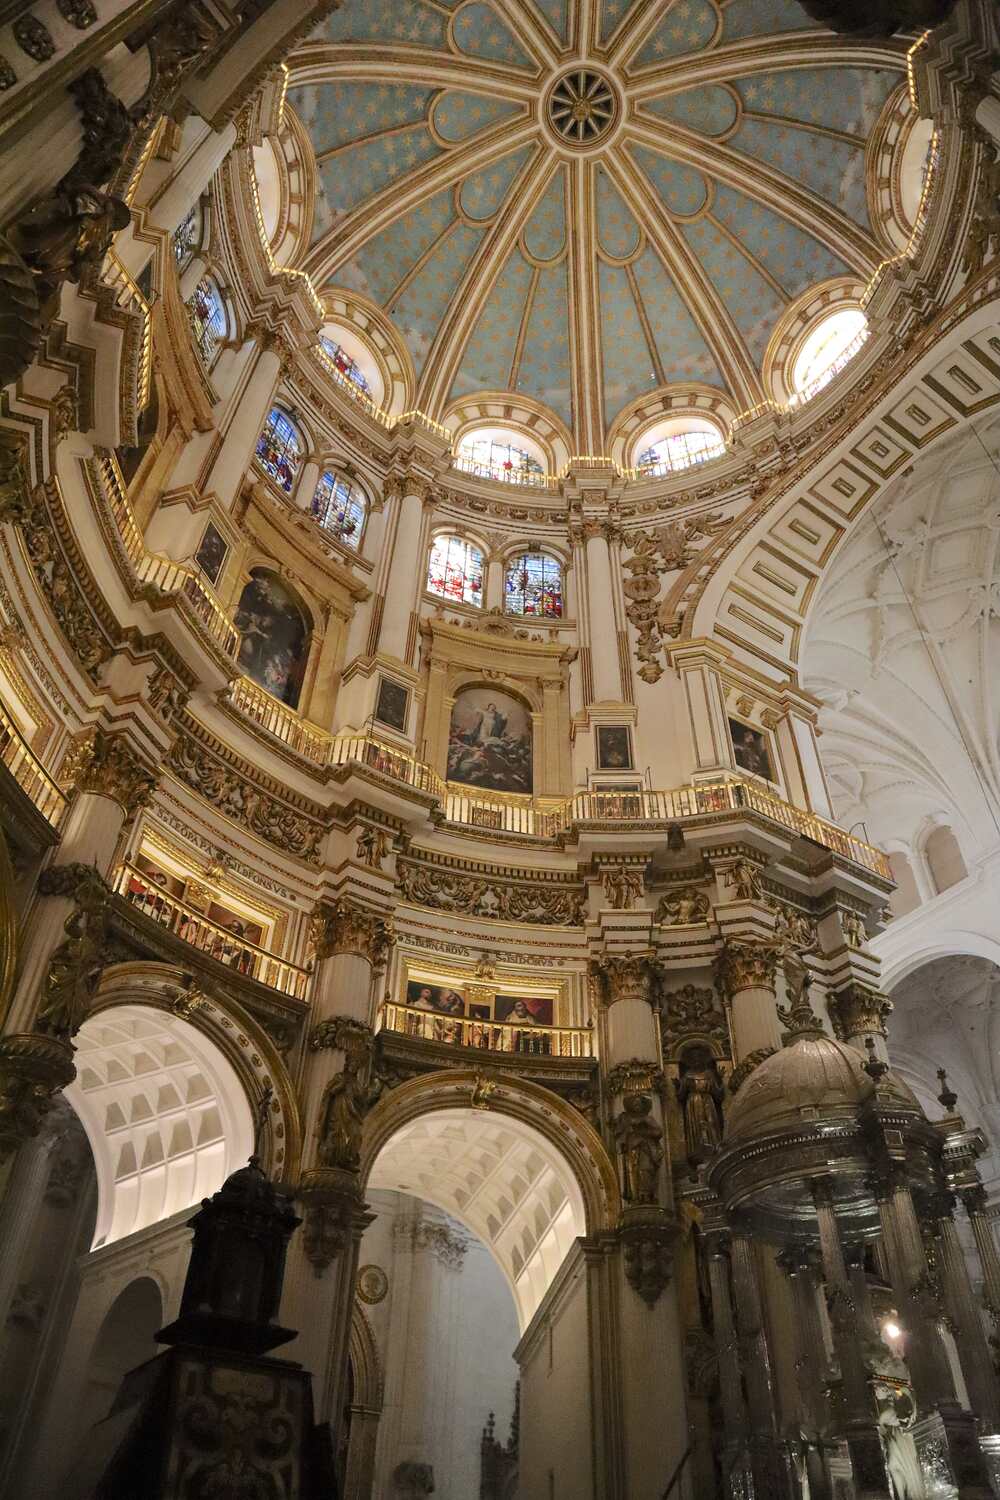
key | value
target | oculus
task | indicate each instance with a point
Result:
(582, 107)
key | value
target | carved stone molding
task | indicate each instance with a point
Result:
(647, 1236)
(106, 765)
(332, 1212)
(343, 1034)
(287, 829)
(625, 976)
(665, 549)
(344, 926)
(634, 1076)
(747, 966)
(445, 1242)
(490, 896)
(33, 1068)
(692, 1011)
(856, 1009)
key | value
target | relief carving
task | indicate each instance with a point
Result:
(665, 549)
(623, 887)
(640, 1147)
(272, 820)
(487, 896)
(683, 907)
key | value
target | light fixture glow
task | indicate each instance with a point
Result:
(891, 1330)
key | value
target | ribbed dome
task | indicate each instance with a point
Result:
(812, 1076)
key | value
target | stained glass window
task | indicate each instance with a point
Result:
(279, 449)
(679, 450)
(533, 586)
(187, 237)
(344, 364)
(208, 318)
(339, 506)
(496, 458)
(456, 570)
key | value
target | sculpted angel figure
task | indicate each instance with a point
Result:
(623, 887)
(640, 1146)
(743, 879)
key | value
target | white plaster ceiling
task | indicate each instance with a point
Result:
(499, 1178)
(165, 1114)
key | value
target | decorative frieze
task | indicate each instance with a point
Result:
(489, 896)
(289, 830)
(345, 926)
(106, 765)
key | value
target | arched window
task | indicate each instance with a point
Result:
(208, 318)
(279, 449)
(275, 636)
(456, 570)
(906, 896)
(497, 455)
(344, 364)
(533, 586)
(677, 445)
(187, 237)
(827, 349)
(339, 506)
(944, 859)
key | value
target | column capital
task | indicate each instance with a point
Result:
(345, 926)
(634, 1076)
(107, 765)
(747, 965)
(855, 1008)
(625, 976)
(33, 1068)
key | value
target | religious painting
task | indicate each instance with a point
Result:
(393, 701)
(435, 997)
(159, 877)
(149, 890)
(521, 1010)
(750, 750)
(211, 553)
(489, 745)
(614, 747)
(251, 932)
(275, 642)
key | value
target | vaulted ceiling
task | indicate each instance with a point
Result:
(645, 225)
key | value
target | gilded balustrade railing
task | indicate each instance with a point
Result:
(306, 739)
(28, 771)
(227, 944)
(486, 1035)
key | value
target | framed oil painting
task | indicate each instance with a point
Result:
(275, 642)
(521, 1010)
(211, 553)
(751, 750)
(392, 704)
(489, 744)
(614, 747)
(436, 997)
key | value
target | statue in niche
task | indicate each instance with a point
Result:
(700, 1093)
(743, 879)
(346, 1101)
(623, 887)
(640, 1146)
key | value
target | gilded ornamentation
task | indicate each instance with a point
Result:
(79, 13)
(984, 230)
(372, 847)
(623, 887)
(482, 1092)
(625, 976)
(647, 1236)
(747, 966)
(57, 579)
(743, 879)
(487, 896)
(692, 1011)
(19, 505)
(8, 77)
(856, 1009)
(34, 38)
(343, 1033)
(665, 549)
(344, 926)
(166, 695)
(75, 966)
(793, 930)
(107, 766)
(854, 929)
(634, 1076)
(272, 820)
(683, 907)
(33, 1068)
(65, 411)
(640, 1147)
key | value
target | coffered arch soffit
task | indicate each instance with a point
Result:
(730, 178)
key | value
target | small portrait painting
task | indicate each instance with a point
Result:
(393, 701)
(160, 878)
(751, 750)
(211, 553)
(435, 997)
(614, 747)
(251, 932)
(489, 743)
(520, 1010)
(479, 1012)
(275, 643)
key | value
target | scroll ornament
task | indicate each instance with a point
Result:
(275, 821)
(664, 549)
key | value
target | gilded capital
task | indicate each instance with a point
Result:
(345, 926)
(625, 976)
(747, 966)
(106, 765)
(856, 1010)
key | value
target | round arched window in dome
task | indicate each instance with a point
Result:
(339, 507)
(827, 349)
(351, 363)
(279, 449)
(455, 570)
(495, 453)
(672, 446)
(533, 586)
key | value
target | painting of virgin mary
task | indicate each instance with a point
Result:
(489, 744)
(275, 634)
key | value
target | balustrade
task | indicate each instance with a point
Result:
(28, 771)
(226, 944)
(486, 1035)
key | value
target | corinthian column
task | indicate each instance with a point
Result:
(404, 578)
(746, 973)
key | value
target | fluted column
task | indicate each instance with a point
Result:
(607, 685)
(810, 1364)
(747, 975)
(860, 1427)
(404, 578)
(769, 1457)
(727, 1349)
(975, 1204)
(960, 1302)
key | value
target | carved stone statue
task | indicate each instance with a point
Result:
(700, 1094)
(346, 1100)
(855, 931)
(623, 887)
(372, 847)
(743, 879)
(683, 907)
(640, 1146)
